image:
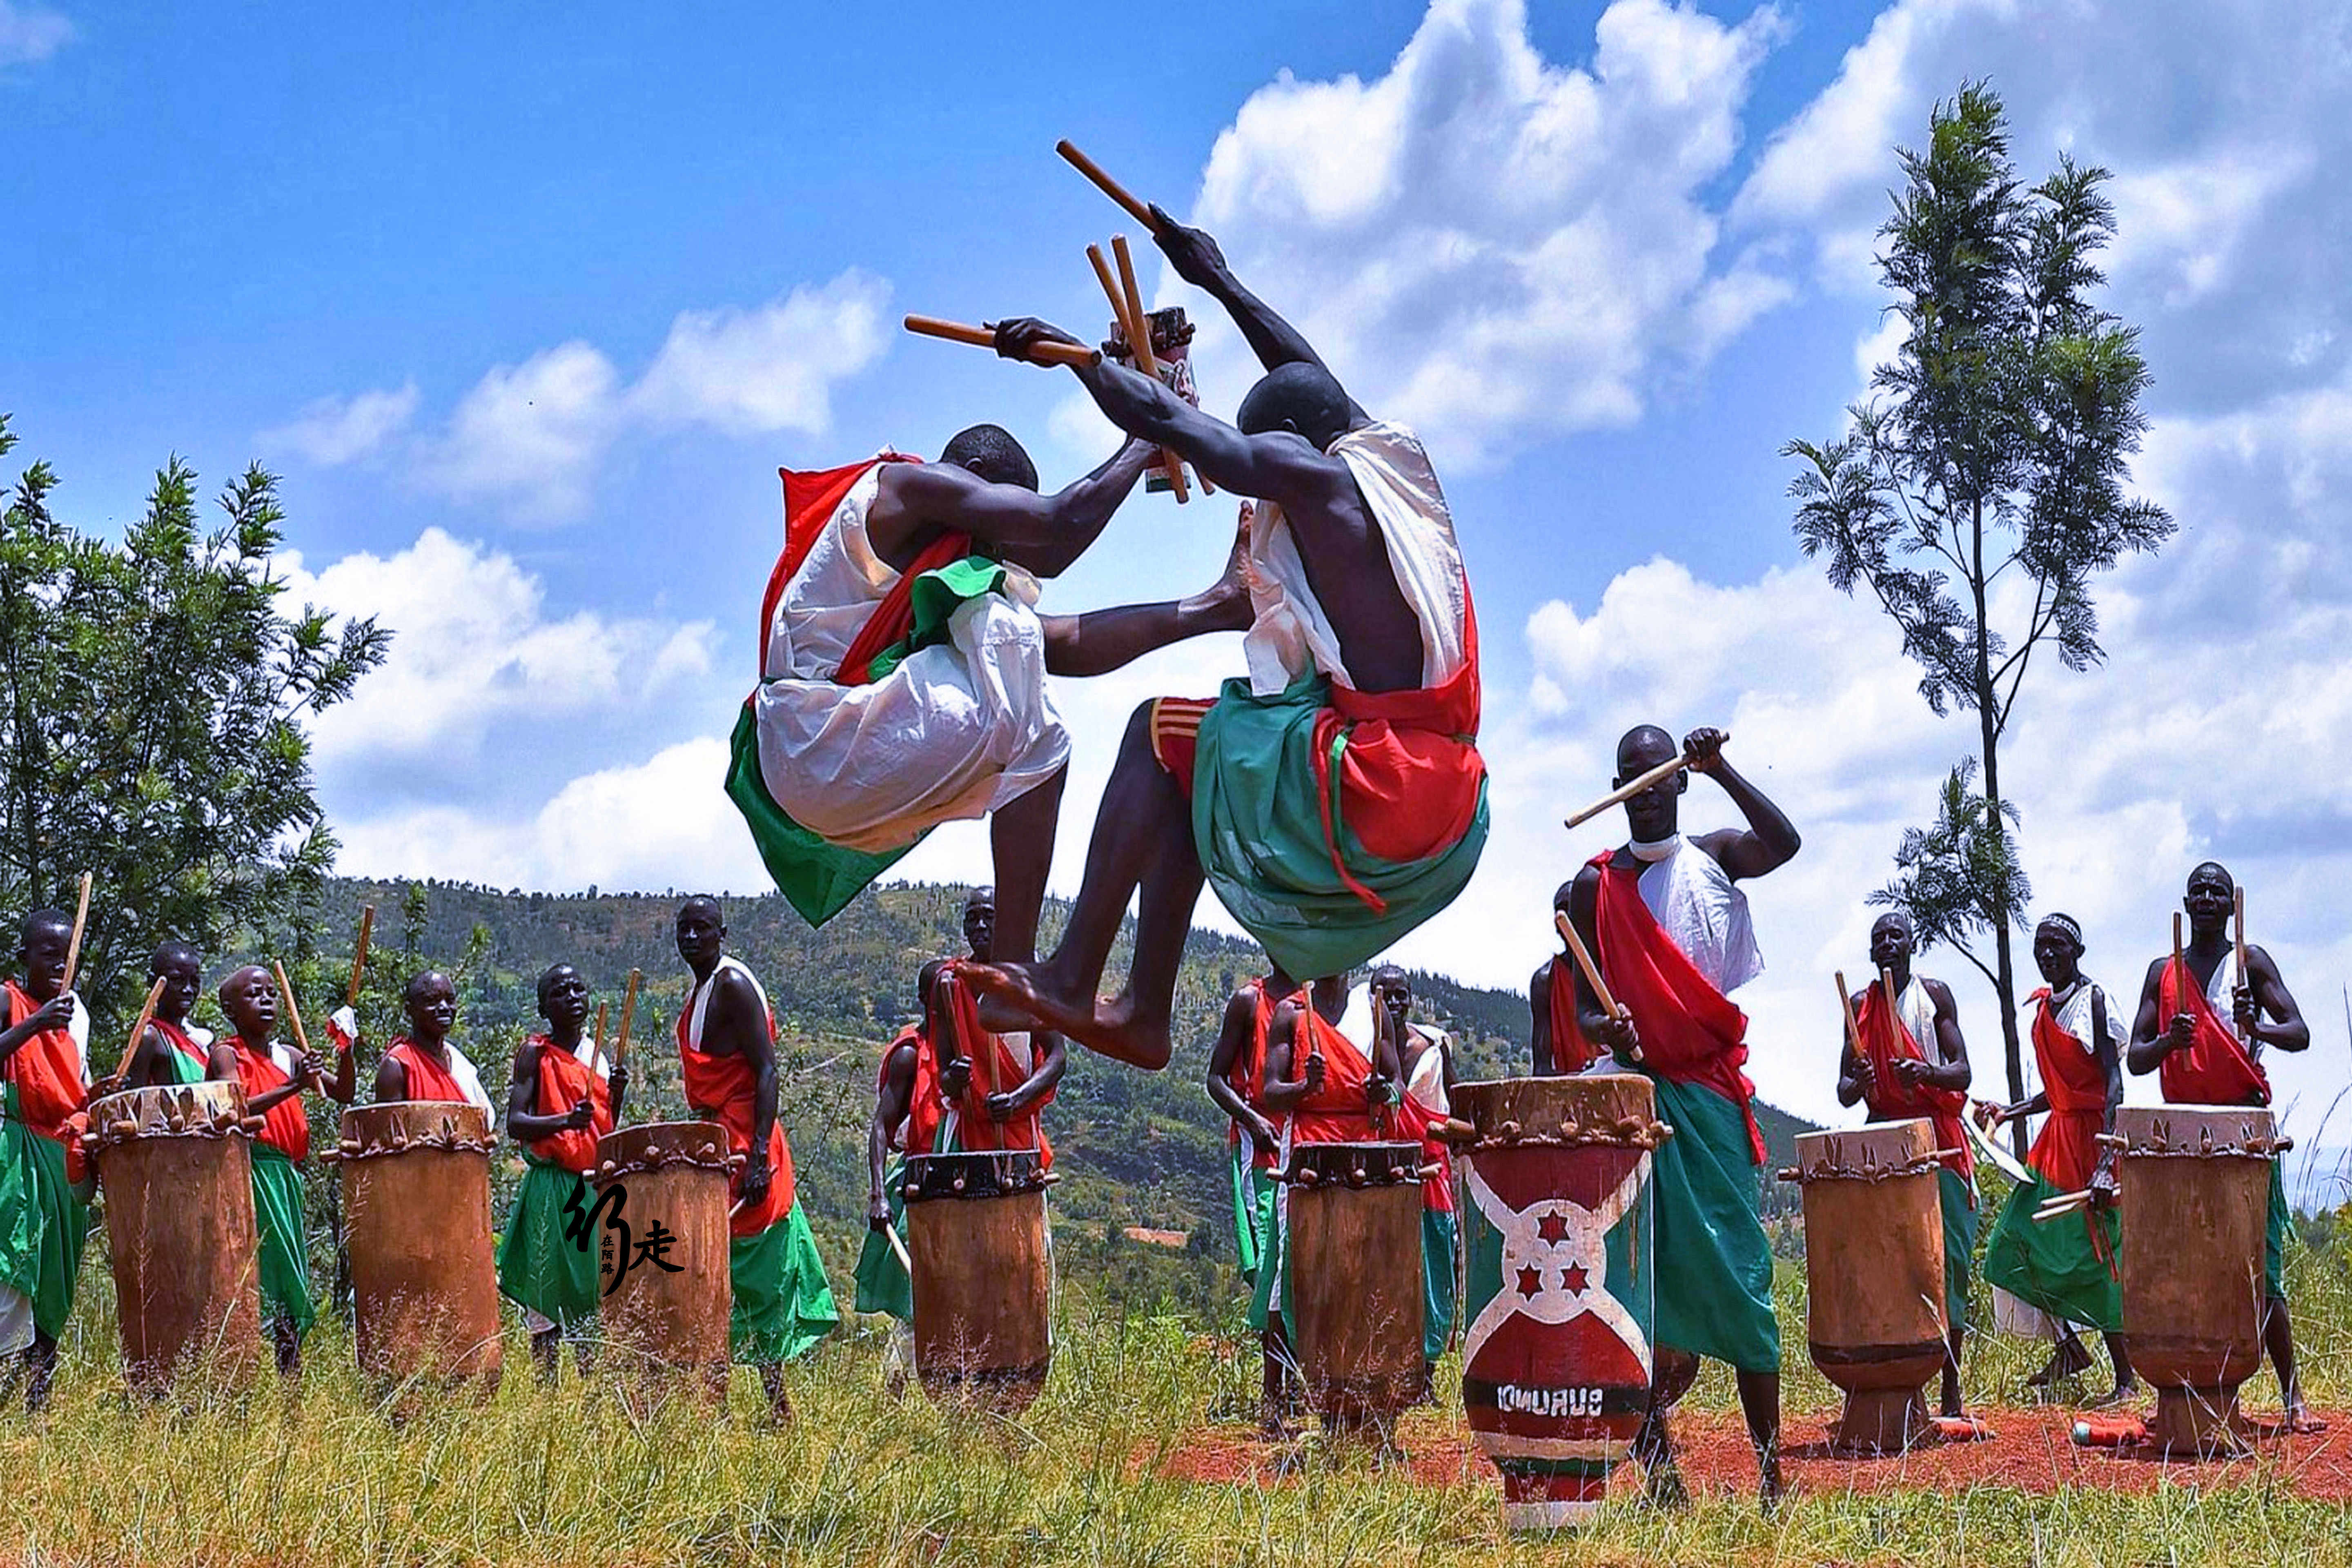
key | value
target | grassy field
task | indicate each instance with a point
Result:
(318, 1475)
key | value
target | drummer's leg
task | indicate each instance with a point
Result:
(1760, 1402)
(545, 1345)
(287, 1342)
(2278, 1338)
(2127, 1381)
(1672, 1373)
(772, 1378)
(1952, 1405)
(41, 1369)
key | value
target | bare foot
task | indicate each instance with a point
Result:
(1664, 1488)
(2299, 1419)
(1770, 1489)
(2123, 1394)
(1107, 1028)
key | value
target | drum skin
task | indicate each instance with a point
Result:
(661, 1326)
(1560, 1298)
(1874, 1276)
(1353, 1247)
(416, 1217)
(2195, 1192)
(982, 1277)
(178, 1176)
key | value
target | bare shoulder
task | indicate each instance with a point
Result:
(1940, 995)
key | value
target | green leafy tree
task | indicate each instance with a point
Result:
(1980, 489)
(153, 703)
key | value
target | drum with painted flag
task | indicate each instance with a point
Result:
(1558, 1298)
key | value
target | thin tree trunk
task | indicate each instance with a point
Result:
(1988, 731)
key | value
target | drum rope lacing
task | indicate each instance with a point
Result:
(708, 1153)
(1624, 1133)
(1869, 1170)
(2160, 1145)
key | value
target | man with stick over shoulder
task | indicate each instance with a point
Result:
(2206, 1014)
(1664, 920)
(44, 1220)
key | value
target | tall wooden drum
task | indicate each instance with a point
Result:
(664, 1183)
(1875, 1276)
(2196, 1183)
(417, 1216)
(1352, 1247)
(982, 1276)
(1560, 1296)
(178, 1179)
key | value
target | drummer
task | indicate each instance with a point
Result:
(2066, 1266)
(727, 1053)
(1235, 1080)
(933, 1099)
(424, 1064)
(2199, 1059)
(566, 1094)
(44, 1221)
(170, 1049)
(1666, 922)
(1425, 1058)
(1913, 1063)
(273, 1076)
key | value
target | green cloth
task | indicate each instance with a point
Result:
(538, 1266)
(1959, 1202)
(1437, 1247)
(819, 878)
(883, 1285)
(783, 1304)
(1270, 1292)
(1253, 1210)
(183, 1071)
(1257, 823)
(285, 1239)
(2276, 1224)
(43, 1227)
(2059, 1265)
(1714, 1265)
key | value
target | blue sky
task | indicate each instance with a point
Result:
(526, 304)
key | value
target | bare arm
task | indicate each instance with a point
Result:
(891, 1102)
(1539, 987)
(1050, 1058)
(1769, 842)
(1283, 1093)
(1853, 1075)
(391, 1080)
(1197, 259)
(1044, 534)
(54, 1013)
(735, 1025)
(523, 1117)
(2151, 1037)
(2266, 993)
(1946, 1064)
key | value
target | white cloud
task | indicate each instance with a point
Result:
(337, 430)
(531, 434)
(30, 33)
(1487, 244)
(473, 650)
(746, 372)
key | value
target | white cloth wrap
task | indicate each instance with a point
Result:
(957, 730)
(1426, 1082)
(1699, 905)
(1291, 635)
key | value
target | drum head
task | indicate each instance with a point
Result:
(991, 1173)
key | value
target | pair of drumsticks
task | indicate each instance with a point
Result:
(1126, 309)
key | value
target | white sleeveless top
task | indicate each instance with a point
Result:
(1698, 904)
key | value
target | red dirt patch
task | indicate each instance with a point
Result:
(2031, 1449)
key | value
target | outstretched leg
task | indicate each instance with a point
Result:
(1142, 839)
(1101, 641)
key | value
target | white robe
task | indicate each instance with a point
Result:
(957, 730)
(1699, 905)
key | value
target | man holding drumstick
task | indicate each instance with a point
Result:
(1667, 926)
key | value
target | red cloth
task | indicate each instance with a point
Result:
(1247, 1075)
(46, 1070)
(75, 1128)
(1690, 1032)
(1570, 1051)
(286, 1126)
(1886, 1040)
(975, 1129)
(2214, 1068)
(181, 1041)
(1336, 1114)
(2067, 1152)
(562, 1081)
(723, 1089)
(426, 1079)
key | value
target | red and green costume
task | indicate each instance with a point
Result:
(1886, 1039)
(277, 1208)
(540, 1266)
(188, 1061)
(2216, 1069)
(1251, 1164)
(43, 1225)
(2066, 1266)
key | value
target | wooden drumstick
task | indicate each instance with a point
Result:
(139, 1029)
(359, 954)
(603, 1012)
(628, 1013)
(1628, 791)
(1845, 1008)
(2238, 920)
(73, 943)
(1077, 356)
(2176, 952)
(1107, 185)
(293, 1013)
(1138, 342)
(890, 1234)
(1895, 1019)
(1111, 291)
(1608, 1005)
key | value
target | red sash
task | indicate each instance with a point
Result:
(810, 501)
(2214, 1068)
(1336, 1114)
(563, 1080)
(1570, 1051)
(286, 1126)
(426, 1079)
(181, 1041)
(722, 1089)
(2067, 1152)
(1886, 1040)
(46, 1070)
(1247, 1075)
(1690, 1032)
(975, 1129)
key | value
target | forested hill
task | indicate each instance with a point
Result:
(1141, 1149)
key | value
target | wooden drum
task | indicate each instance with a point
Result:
(1560, 1295)
(982, 1276)
(416, 1216)
(663, 1324)
(2196, 1184)
(178, 1178)
(1875, 1276)
(1353, 1243)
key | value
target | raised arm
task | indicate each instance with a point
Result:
(1198, 259)
(1042, 534)
(1853, 1071)
(1768, 841)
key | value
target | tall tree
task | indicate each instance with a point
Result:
(1979, 489)
(153, 701)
